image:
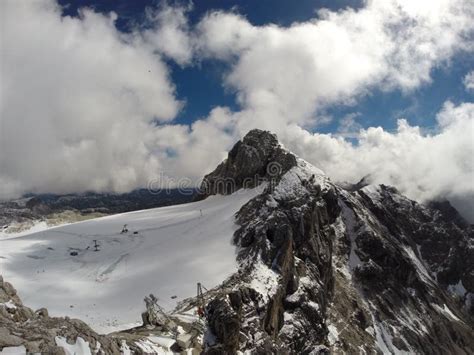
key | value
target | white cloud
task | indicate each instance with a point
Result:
(335, 58)
(197, 149)
(469, 81)
(78, 100)
(421, 166)
(169, 32)
(348, 126)
(81, 102)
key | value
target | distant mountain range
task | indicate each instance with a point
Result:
(21, 214)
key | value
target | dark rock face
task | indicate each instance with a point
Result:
(448, 213)
(285, 237)
(324, 268)
(224, 321)
(443, 238)
(37, 206)
(401, 254)
(256, 158)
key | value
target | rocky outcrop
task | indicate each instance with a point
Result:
(22, 329)
(256, 158)
(38, 333)
(325, 268)
(441, 238)
(403, 299)
(279, 300)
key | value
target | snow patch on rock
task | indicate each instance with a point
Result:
(457, 289)
(447, 312)
(350, 224)
(264, 280)
(80, 347)
(420, 267)
(292, 183)
(333, 334)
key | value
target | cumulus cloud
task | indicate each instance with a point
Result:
(336, 57)
(87, 107)
(423, 166)
(168, 32)
(79, 100)
(348, 126)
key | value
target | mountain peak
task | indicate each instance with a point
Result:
(258, 157)
(258, 138)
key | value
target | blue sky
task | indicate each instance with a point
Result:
(419, 107)
(200, 85)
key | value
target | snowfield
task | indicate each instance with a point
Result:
(166, 251)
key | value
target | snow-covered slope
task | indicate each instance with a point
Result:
(166, 251)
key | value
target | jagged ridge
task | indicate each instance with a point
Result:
(314, 256)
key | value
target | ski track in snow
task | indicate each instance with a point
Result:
(173, 249)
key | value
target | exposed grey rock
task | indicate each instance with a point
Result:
(256, 158)
(353, 266)
(225, 324)
(42, 312)
(36, 331)
(402, 292)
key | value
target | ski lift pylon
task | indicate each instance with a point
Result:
(200, 297)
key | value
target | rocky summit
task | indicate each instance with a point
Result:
(322, 268)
